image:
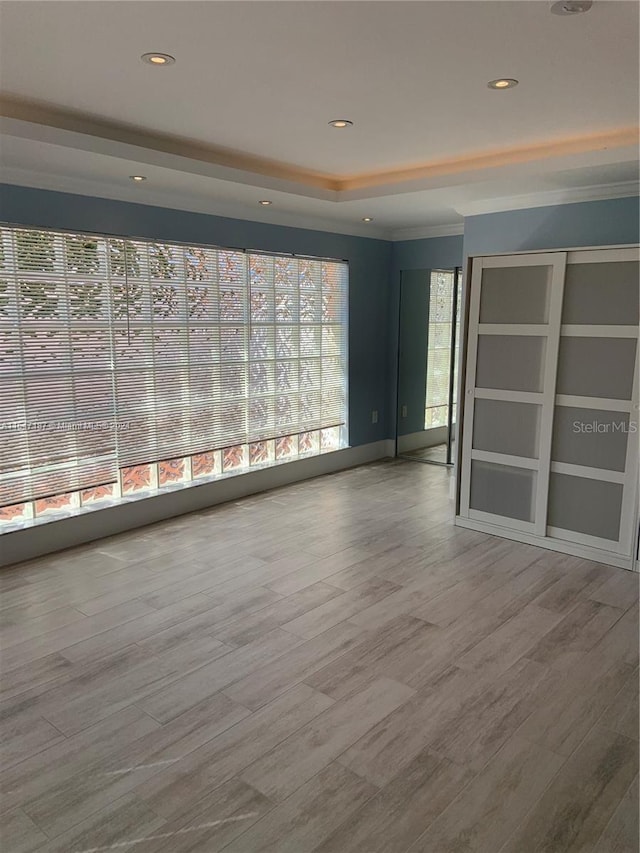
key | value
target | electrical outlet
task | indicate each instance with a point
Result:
(405, 411)
(374, 416)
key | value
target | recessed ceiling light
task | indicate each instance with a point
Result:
(265, 202)
(367, 218)
(571, 7)
(341, 122)
(157, 59)
(137, 178)
(502, 83)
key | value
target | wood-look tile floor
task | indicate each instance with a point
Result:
(332, 666)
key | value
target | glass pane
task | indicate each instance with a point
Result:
(596, 367)
(286, 447)
(586, 506)
(172, 471)
(438, 377)
(205, 464)
(511, 362)
(605, 293)
(436, 416)
(501, 426)
(591, 437)
(515, 294)
(503, 490)
(441, 292)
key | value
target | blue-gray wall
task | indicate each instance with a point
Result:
(375, 265)
(430, 253)
(594, 223)
(369, 273)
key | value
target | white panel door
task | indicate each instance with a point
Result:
(514, 330)
(594, 453)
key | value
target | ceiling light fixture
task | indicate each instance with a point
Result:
(502, 83)
(137, 178)
(265, 202)
(571, 7)
(367, 218)
(341, 122)
(157, 59)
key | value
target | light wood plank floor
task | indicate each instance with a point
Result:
(331, 666)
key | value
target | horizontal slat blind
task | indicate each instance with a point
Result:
(119, 352)
(56, 389)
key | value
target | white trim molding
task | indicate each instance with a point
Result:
(423, 438)
(549, 198)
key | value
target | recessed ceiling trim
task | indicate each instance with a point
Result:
(144, 194)
(67, 120)
(148, 157)
(48, 124)
(620, 138)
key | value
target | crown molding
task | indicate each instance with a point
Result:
(549, 198)
(139, 194)
(236, 210)
(421, 232)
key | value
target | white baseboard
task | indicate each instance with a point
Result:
(36, 541)
(587, 552)
(422, 438)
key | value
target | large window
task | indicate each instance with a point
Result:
(128, 367)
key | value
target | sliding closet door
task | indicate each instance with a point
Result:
(514, 333)
(594, 452)
(550, 434)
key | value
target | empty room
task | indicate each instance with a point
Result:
(319, 448)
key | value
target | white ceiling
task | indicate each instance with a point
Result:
(243, 112)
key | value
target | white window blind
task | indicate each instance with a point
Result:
(115, 353)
